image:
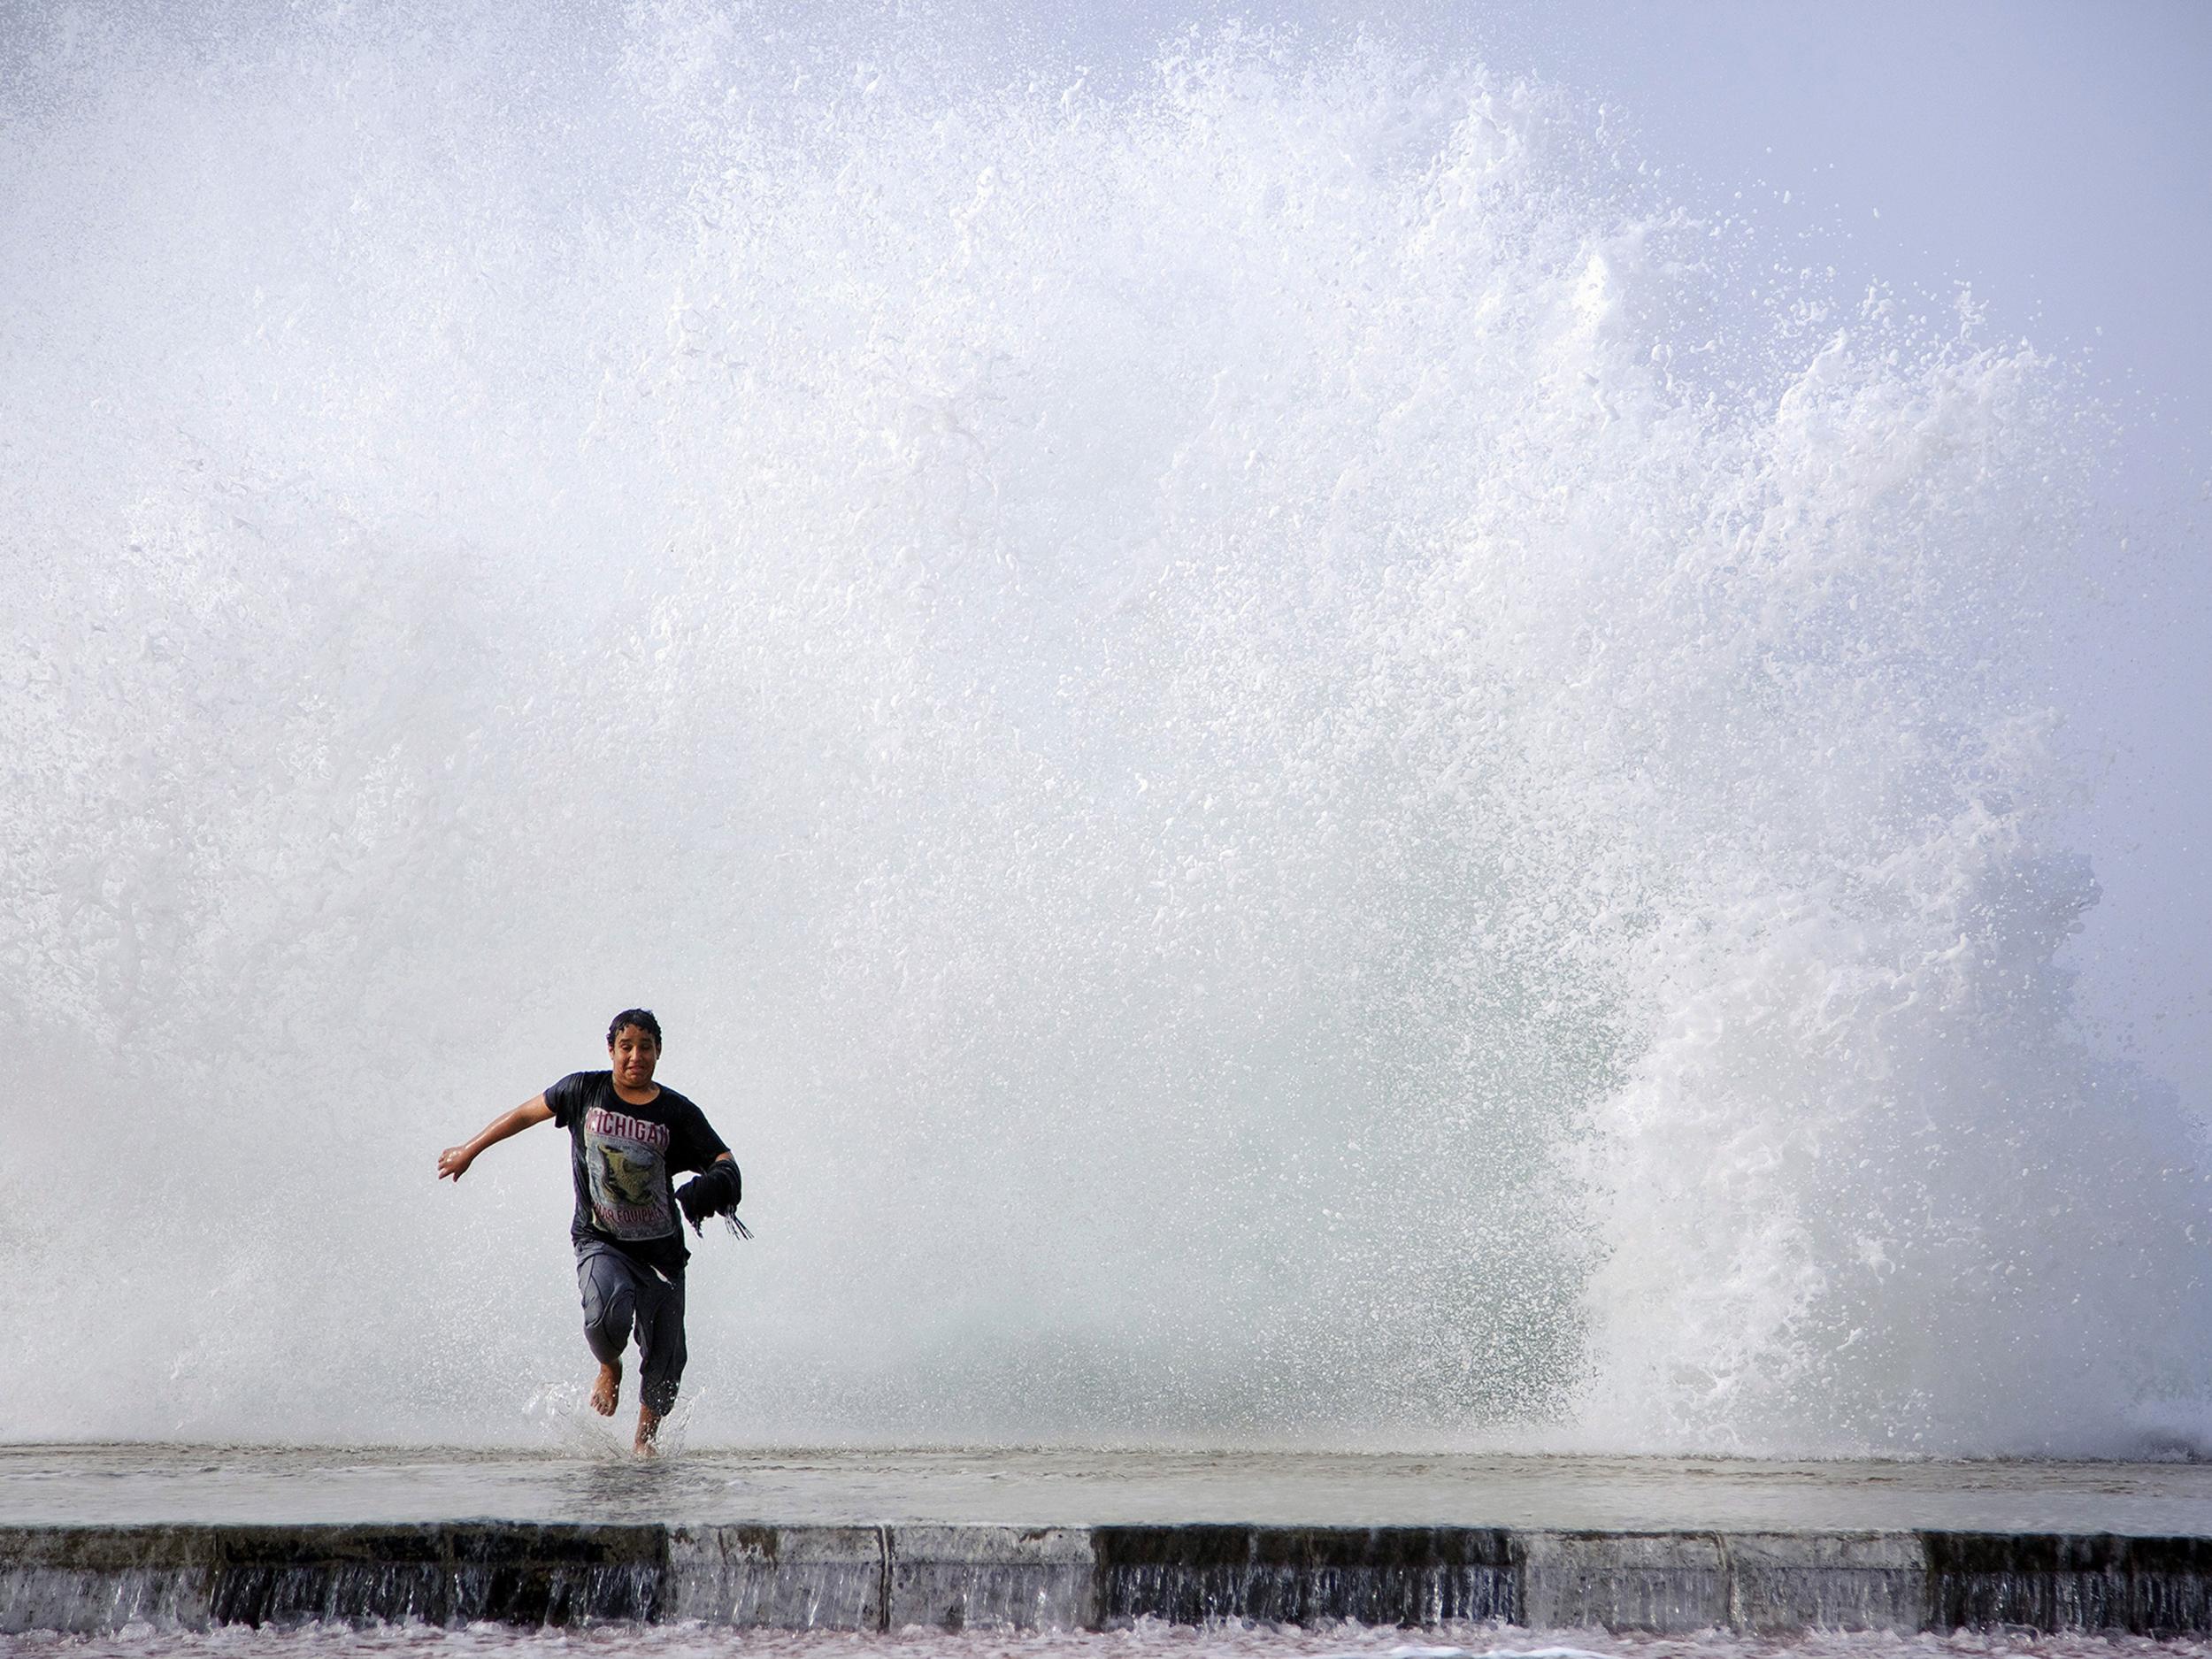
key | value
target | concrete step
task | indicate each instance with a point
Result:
(93, 1579)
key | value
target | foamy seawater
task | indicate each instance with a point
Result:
(1146, 1642)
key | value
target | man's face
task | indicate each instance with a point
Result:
(633, 1054)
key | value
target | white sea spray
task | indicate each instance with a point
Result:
(1293, 761)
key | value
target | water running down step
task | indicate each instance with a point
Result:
(970, 1577)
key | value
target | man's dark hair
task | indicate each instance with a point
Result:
(642, 1018)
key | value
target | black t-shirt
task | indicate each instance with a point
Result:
(623, 1157)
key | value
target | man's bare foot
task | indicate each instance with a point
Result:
(606, 1394)
(649, 1425)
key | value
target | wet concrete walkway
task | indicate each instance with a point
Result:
(141, 1484)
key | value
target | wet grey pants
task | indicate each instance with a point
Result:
(620, 1295)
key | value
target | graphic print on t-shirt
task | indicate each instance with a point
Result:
(623, 1156)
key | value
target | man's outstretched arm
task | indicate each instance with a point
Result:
(454, 1162)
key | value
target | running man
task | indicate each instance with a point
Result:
(628, 1136)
